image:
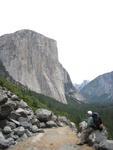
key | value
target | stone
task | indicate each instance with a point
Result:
(26, 125)
(34, 129)
(28, 133)
(3, 98)
(9, 94)
(35, 121)
(5, 111)
(106, 145)
(64, 120)
(14, 115)
(3, 123)
(22, 112)
(15, 98)
(7, 130)
(1, 135)
(23, 137)
(11, 124)
(23, 104)
(5, 143)
(51, 124)
(97, 136)
(12, 104)
(54, 117)
(15, 121)
(82, 125)
(19, 131)
(43, 115)
(42, 125)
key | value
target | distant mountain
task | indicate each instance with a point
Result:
(100, 89)
(82, 85)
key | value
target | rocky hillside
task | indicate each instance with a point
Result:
(100, 89)
(32, 59)
(18, 121)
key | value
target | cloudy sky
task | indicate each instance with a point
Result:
(83, 30)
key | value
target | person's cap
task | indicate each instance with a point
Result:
(89, 112)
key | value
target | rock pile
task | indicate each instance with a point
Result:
(98, 139)
(18, 121)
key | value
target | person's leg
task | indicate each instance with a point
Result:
(84, 135)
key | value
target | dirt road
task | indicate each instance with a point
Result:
(62, 138)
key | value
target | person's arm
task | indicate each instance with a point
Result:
(90, 122)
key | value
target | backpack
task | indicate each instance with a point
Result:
(97, 121)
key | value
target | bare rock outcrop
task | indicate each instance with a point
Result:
(32, 59)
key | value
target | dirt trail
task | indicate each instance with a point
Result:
(62, 138)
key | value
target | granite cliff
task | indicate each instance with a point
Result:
(32, 59)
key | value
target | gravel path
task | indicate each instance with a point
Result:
(62, 138)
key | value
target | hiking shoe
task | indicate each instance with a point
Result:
(80, 143)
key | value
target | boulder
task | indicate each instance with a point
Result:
(51, 124)
(15, 98)
(14, 115)
(43, 115)
(19, 131)
(7, 130)
(5, 143)
(96, 137)
(22, 119)
(105, 145)
(35, 121)
(26, 125)
(11, 124)
(23, 104)
(22, 112)
(64, 120)
(3, 98)
(5, 111)
(34, 129)
(28, 133)
(15, 121)
(3, 123)
(9, 94)
(1, 135)
(12, 104)
(42, 125)
(82, 125)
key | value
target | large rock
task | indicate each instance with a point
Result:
(64, 120)
(82, 125)
(3, 98)
(51, 124)
(19, 131)
(43, 115)
(105, 145)
(5, 143)
(97, 136)
(7, 130)
(5, 111)
(32, 59)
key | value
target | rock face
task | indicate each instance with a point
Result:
(32, 59)
(100, 89)
(97, 139)
(18, 121)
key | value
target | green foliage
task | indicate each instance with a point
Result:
(74, 111)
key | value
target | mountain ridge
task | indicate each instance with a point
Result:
(100, 89)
